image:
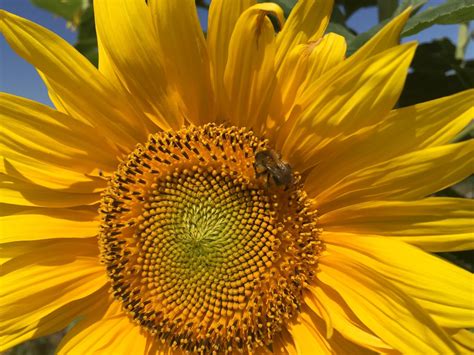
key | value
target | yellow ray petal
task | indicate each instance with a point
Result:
(342, 317)
(283, 344)
(53, 137)
(54, 322)
(325, 55)
(42, 223)
(387, 37)
(46, 175)
(249, 76)
(289, 79)
(133, 52)
(344, 100)
(51, 149)
(442, 289)
(106, 329)
(445, 224)
(434, 122)
(338, 344)
(307, 21)
(42, 281)
(185, 56)
(223, 15)
(19, 248)
(286, 343)
(94, 99)
(20, 191)
(408, 177)
(385, 309)
(307, 338)
(420, 126)
(464, 340)
(303, 65)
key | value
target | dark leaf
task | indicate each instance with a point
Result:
(359, 40)
(436, 73)
(450, 12)
(69, 9)
(87, 39)
(351, 6)
(386, 8)
(466, 133)
(362, 38)
(464, 259)
(404, 4)
(341, 30)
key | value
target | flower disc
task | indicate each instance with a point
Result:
(201, 251)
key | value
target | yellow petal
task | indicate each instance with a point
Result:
(223, 15)
(464, 340)
(48, 175)
(50, 148)
(185, 56)
(9, 251)
(249, 76)
(434, 122)
(289, 79)
(36, 126)
(442, 289)
(383, 308)
(93, 99)
(303, 65)
(133, 52)
(387, 37)
(307, 21)
(342, 318)
(43, 281)
(106, 329)
(407, 177)
(41, 223)
(324, 55)
(420, 126)
(442, 224)
(307, 338)
(345, 99)
(20, 191)
(283, 344)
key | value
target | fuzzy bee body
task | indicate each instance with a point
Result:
(269, 163)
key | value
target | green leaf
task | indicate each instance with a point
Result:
(351, 6)
(386, 8)
(466, 134)
(436, 73)
(87, 38)
(451, 12)
(341, 30)
(68, 9)
(359, 40)
(404, 4)
(462, 259)
(338, 16)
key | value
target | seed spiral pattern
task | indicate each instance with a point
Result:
(201, 252)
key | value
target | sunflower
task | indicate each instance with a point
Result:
(249, 192)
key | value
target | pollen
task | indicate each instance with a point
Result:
(201, 251)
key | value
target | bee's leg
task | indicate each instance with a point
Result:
(268, 177)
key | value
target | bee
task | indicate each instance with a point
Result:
(269, 163)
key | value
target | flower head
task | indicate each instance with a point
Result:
(253, 191)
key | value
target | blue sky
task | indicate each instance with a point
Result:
(20, 78)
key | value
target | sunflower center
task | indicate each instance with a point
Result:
(205, 249)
